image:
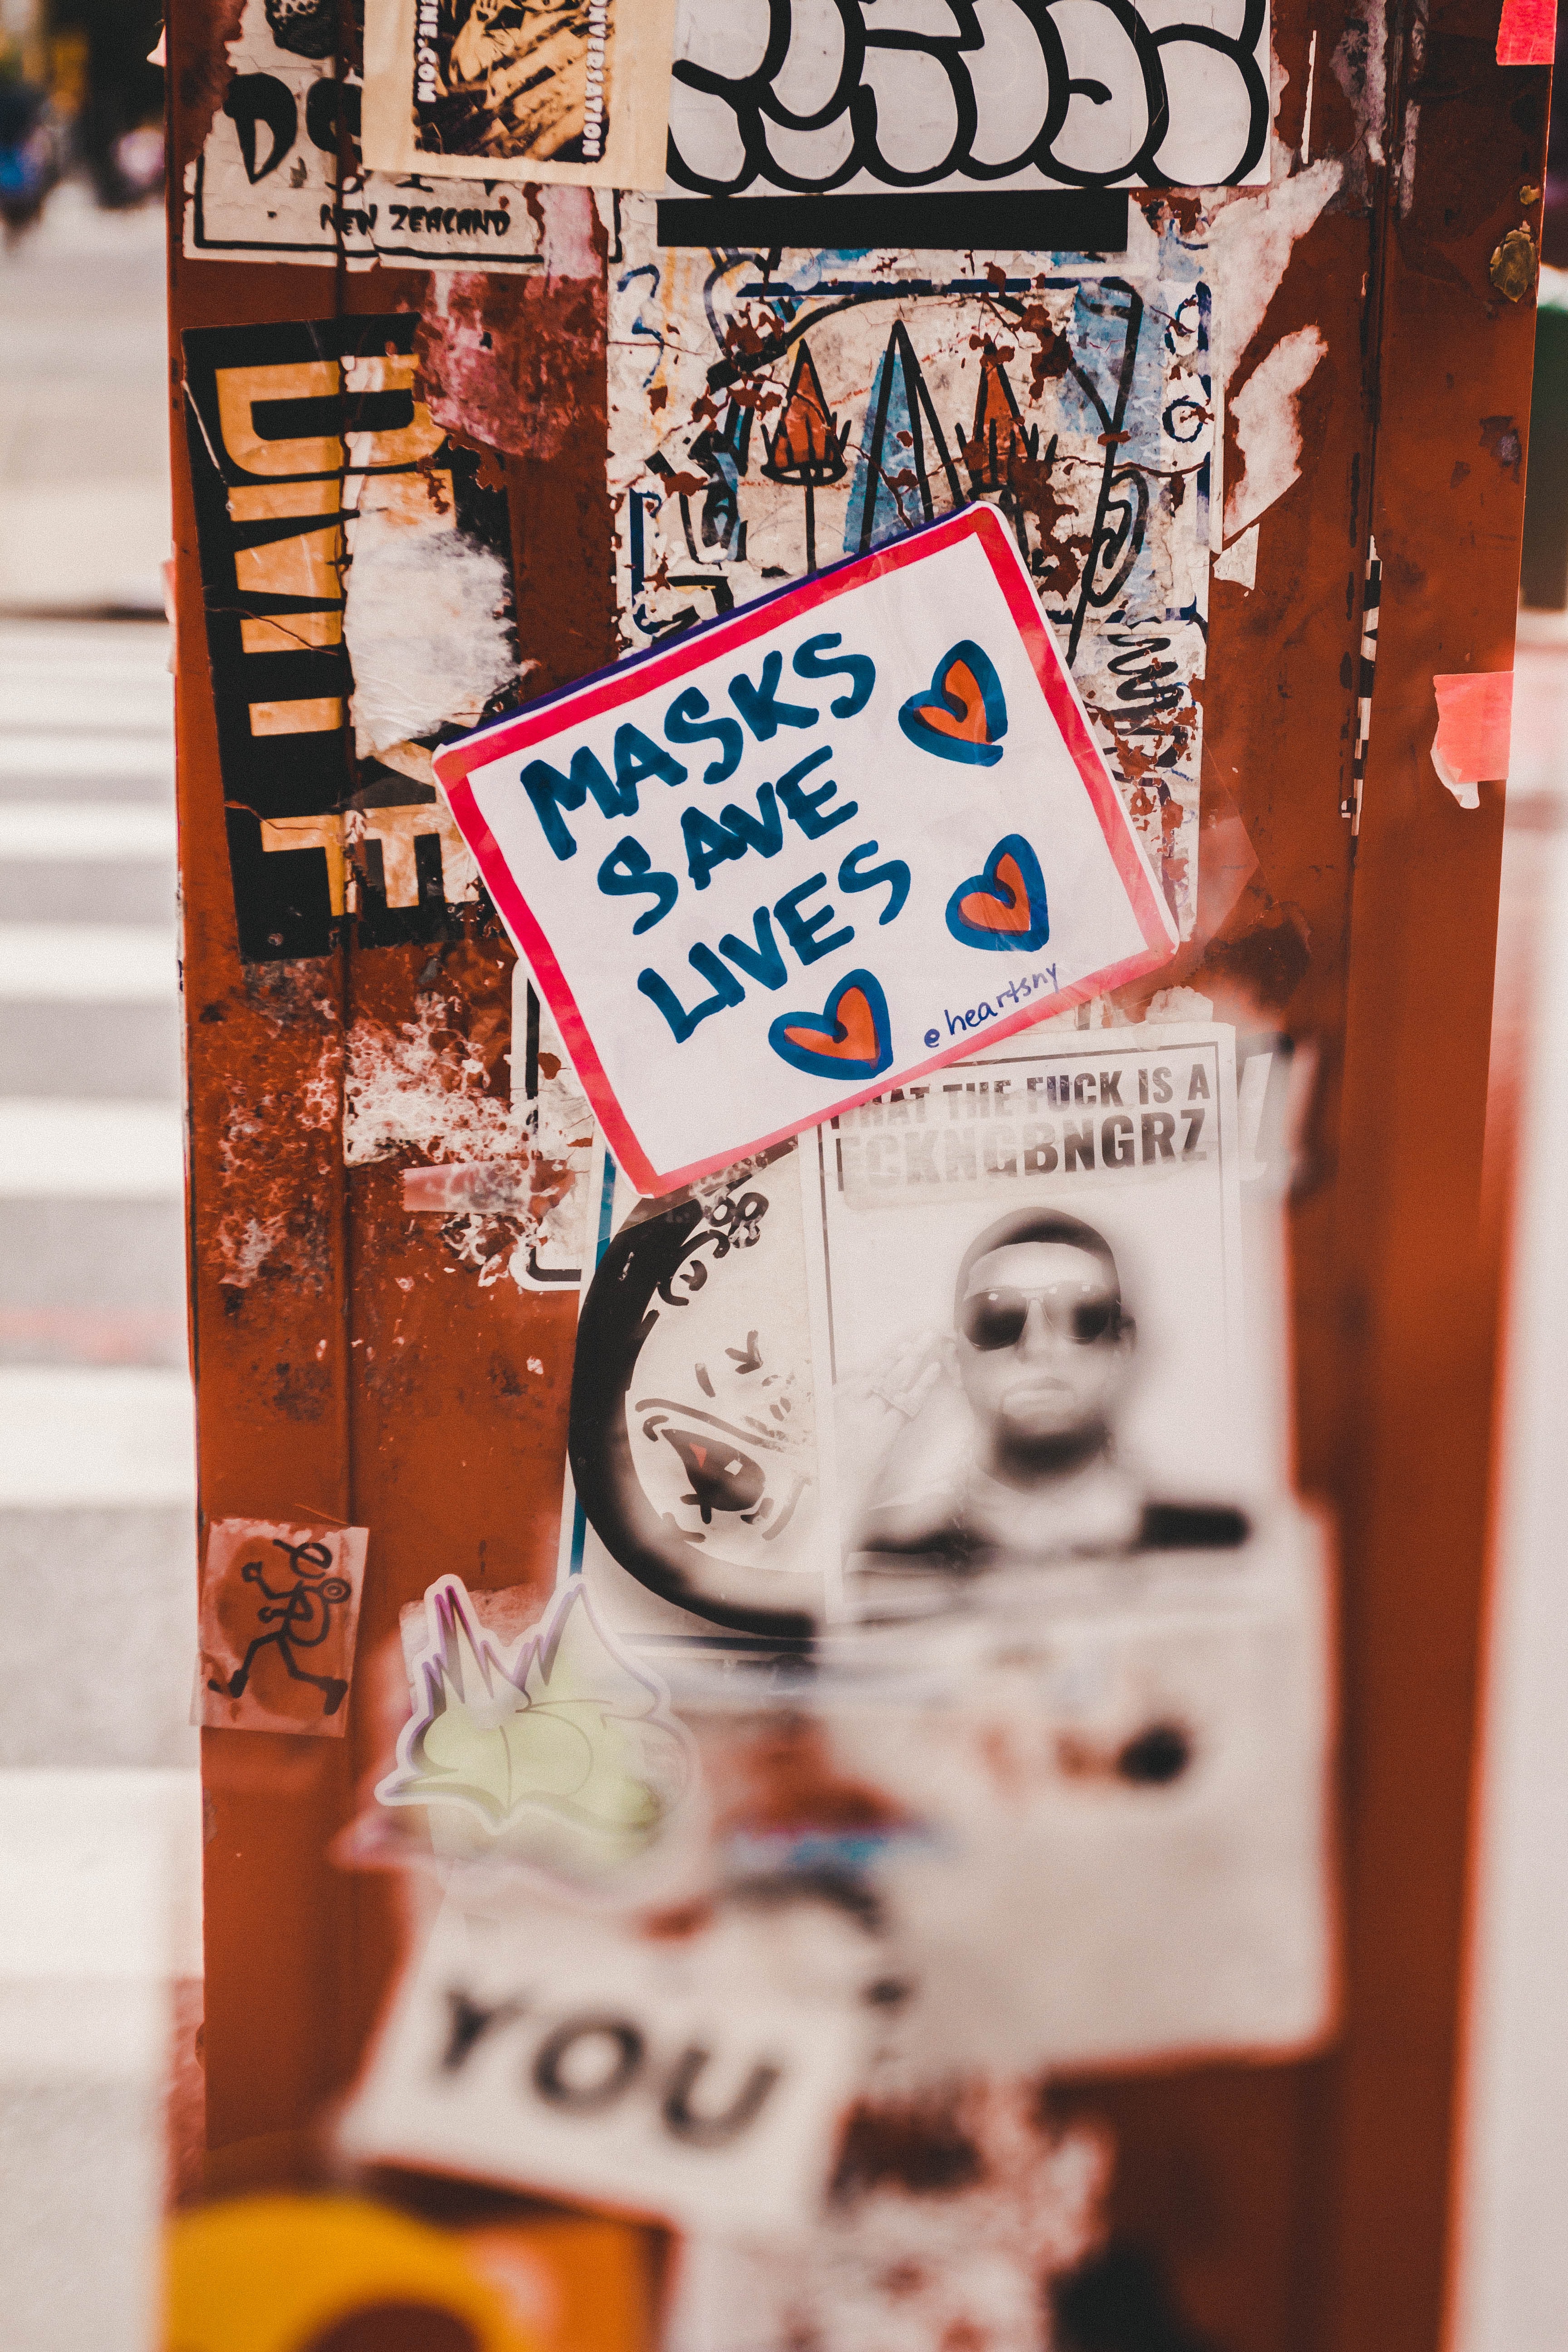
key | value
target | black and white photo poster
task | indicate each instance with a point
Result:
(1026, 1283)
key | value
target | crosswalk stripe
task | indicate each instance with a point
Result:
(74, 1437)
(59, 833)
(100, 1872)
(120, 753)
(88, 964)
(58, 1149)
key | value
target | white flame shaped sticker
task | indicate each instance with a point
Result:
(557, 1752)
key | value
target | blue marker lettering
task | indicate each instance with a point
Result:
(551, 791)
(764, 961)
(803, 805)
(893, 872)
(727, 991)
(638, 757)
(629, 869)
(686, 721)
(760, 707)
(801, 930)
(859, 668)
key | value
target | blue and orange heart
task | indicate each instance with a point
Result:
(852, 1037)
(962, 714)
(1003, 908)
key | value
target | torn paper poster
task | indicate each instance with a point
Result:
(989, 871)
(553, 1755)
(269, 185)
(1093, 1724)
(574, 90)
(1090, 1808)
(1239, 561)
(280, 1613)
(357, 570)
(1475, 717)
(804, 100)
(702, 2074)
(1267, 411)
(494, 353)
(769, 419)
(1090, 1804)
(949, 2222)
(1527, 34)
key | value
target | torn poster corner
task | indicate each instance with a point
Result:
(1527, 34)
(1475, 710)
(1267, 414)
(1239, 561)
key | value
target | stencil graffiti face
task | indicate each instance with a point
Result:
(1040, 1354)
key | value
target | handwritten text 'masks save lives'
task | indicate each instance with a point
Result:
(801, 796)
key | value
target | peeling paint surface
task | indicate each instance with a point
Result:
(945, 2231)
(495, 354)
(413, 1086)
(506, 1178)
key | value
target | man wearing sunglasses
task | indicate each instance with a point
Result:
(1008, 1444)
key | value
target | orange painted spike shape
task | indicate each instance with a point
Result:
(858, 1023)
(964, 686)
(985, 911)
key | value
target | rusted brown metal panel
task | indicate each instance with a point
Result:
(356, 1372)
(1418, 1281)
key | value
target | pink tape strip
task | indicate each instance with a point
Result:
(482, 1186)
(1528, 33)
(1474, 713)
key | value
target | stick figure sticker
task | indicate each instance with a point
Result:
(280, 1613)
(811, 850)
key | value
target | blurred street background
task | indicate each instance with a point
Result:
(100, 1808)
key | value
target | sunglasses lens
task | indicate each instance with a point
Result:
(995, 1319)
(1094, 1320)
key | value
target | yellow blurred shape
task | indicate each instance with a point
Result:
(291, 2273)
